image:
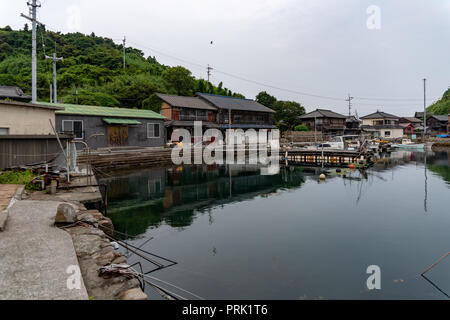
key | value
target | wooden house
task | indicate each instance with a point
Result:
(326, 121)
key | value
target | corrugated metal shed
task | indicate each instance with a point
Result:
(120, 121)
(104, 111)
(233, 103)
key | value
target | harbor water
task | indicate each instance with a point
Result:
(237, 234)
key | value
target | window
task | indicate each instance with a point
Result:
(74, 127)
(153, 130)
(387, 133)
(4, 130)
(154, 186)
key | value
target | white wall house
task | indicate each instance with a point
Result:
(382, 125)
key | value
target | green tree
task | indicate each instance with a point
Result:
(90, 98)
(93, 64)
(266, 99)
(441, 106)
(287, 114)
(301, 127)
(152, 103)
(180, 78)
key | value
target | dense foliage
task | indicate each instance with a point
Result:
(19, 177)
(92, 70)
(287, 113)
(441, 106)
(301, 127)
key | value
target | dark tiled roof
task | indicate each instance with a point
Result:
(411, 119)
(323, 113)
(233, 103)
(185, 102)
(419, 114)
(439, 117)
(351, 119)
(13, 93)
(380, 115)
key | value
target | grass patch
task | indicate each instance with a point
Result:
(19, 177)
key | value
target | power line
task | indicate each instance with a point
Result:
(349, 104)
(32, 17)
(208, 71)
(242, 78)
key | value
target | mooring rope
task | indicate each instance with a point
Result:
(169, 284)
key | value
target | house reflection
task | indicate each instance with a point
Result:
(175, 195)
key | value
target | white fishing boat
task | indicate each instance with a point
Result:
(349, 142)
(408, 144)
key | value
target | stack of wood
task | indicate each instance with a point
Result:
(123, 159)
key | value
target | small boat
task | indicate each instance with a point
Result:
(408, 144)
(349, 142)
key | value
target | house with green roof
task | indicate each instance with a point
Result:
(110, 126)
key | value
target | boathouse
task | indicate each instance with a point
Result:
(239, 113)
(182, 111)
(101, 127)
(437, 124)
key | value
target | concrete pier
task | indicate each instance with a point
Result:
(35, 255)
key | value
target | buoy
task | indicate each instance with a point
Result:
(352, 166)
(322, 176)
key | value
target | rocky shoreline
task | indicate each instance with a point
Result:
(89, 230)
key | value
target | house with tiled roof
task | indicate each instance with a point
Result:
(437, 124)
(325, 120)
(101, 126)
(181, 112)
(382, 125)
(239, 113)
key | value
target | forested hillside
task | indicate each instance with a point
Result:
(441, 106)
(92, 70)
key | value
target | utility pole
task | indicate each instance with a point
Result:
(424, 110)
(123, 49)
(349, 99)
(208, 71)
(33, 48)
(54, 59)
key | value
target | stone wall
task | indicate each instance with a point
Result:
(89, 230)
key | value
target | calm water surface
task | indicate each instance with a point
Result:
(239, 235)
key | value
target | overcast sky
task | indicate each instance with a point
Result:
(320, 47)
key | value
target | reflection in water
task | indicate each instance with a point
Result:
(175, 195)
(238, 234)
